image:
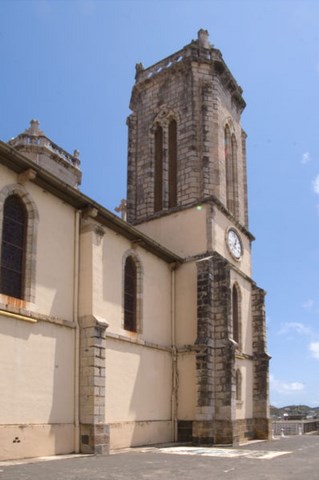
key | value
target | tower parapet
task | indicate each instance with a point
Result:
(39, 148)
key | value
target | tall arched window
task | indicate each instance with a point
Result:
(236, 314)
(158, 174)
(13, 247)
(172, 164)
(235, 175)
(231, 172)
(130, 295)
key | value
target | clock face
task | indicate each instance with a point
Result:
(234, 244)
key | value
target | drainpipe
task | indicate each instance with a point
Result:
(77, 331)
(174, 354)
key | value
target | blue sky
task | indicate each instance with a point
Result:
(71, 65)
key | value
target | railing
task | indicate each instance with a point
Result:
(294, 427)
(191, 50)
(43, 141)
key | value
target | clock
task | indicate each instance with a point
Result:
(234, 243)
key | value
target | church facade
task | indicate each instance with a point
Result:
(123, 332)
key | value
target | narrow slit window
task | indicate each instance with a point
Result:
(172, 164)
(130, 295)
(235, 305)
(13, 247)
(158, 173)
(238, 385)
(229, 169)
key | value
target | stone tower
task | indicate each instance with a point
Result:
(187, 189)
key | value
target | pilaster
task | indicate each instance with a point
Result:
(94, 432)
(261, 365)
(203, 426)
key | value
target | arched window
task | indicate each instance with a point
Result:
(236, 313)
(231, 172)
(130, 295)
(13, 247)
(238, 385)
(158, 174)
(235, 174)
(228, 162)
(172, 164)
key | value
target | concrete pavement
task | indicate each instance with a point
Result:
(293, 458)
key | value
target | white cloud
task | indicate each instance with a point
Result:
(314, 349)
(305, 157)
(297, 327)
(308, 304)
(315, 184)
(285, 387)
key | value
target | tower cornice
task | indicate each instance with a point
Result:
(198, 52)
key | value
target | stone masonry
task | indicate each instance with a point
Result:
(194, 88)
(163, 92)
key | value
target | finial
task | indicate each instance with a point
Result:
(203, 38)
(34, 128)
(139, 67)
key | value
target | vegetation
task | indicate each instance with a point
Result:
(303, 410)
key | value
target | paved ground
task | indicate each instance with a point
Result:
(293, 458)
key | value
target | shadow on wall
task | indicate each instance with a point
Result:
(138, 402)
(37, 398)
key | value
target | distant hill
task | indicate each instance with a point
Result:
(303, 410)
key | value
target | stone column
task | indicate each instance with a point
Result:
(203, 427)
(224, 355)
(215, 360)
(94, 433)
(261, 366)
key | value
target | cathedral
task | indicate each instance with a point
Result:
(140, 330)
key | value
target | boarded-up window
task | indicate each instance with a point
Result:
(172, 164)
(238, 385)
(130, 295)
(13, 247)
(158, 173)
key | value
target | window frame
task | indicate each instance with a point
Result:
(138, 290)
(30, 246)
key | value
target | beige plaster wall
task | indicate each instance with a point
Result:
(184, 232)
(55, 255)
(186, 400)
(39, 357)
(186, 304)
(220, 224)
(55, 247)
(138, 382)
(244, 409)
(126, 434)
(26, 441)
(37, 388)
(108, 299)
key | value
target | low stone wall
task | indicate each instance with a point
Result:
(294, 427)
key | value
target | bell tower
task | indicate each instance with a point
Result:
(186, 144)
(187, 189)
